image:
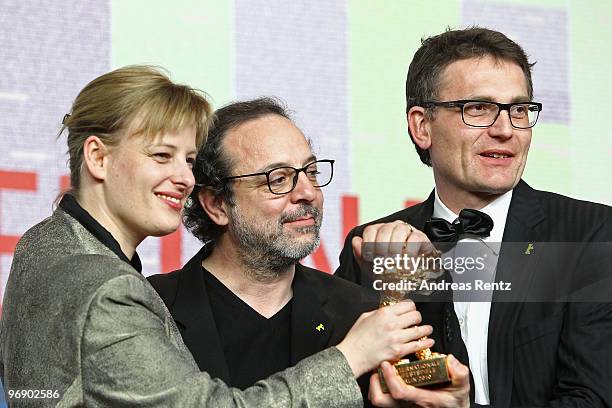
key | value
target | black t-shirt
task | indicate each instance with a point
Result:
(254, 347)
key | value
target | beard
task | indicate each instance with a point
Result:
(267, 248)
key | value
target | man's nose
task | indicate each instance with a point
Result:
(304, 190)
(502, 127)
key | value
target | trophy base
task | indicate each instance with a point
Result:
(420, 373)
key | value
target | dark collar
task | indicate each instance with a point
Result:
(312, 322)
(70, 205)
(525, 215)
(526, 222)
(420, 213)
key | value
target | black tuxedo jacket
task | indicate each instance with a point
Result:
(540, 353)
(318, 298)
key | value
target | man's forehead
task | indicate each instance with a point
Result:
(271, 139)
(484, 77)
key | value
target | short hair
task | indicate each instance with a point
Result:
(213, 165)
(108, 106)
(436, 53)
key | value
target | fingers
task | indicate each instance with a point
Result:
(403, 315)
(455, 395)
(376, 395)
(417, 332)
(413, 345)
(365, 315)
(398, 390)
(401, 231)
(357, 243)
(459, 373)
(401, 308)
(381, 236)
(418, 243)
(393, 238)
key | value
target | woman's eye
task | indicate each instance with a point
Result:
(162, 156)
(191, 161)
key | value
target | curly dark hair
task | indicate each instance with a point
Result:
(212, 164)
(438, 52)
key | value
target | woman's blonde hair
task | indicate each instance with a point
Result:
(109, 105)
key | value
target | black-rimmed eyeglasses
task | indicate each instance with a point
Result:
(482, 114)
(282, 180)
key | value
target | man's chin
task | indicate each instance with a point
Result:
(308, 230)
(300, 248)
(497, 186)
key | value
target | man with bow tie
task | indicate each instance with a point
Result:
(470, 113)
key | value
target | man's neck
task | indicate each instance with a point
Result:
(265, 295)
(457, 201)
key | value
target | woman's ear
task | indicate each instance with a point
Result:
(95, 157)
(418, 123)
(214, 206)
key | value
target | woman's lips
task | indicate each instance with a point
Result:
(171, 200)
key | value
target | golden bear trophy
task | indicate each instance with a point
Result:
(428, 368)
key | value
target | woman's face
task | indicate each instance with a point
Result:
(148, 182)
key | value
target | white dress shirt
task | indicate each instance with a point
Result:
(474, 316)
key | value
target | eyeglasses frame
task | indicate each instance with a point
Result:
(501, 107)
(295, 177)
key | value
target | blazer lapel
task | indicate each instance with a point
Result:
(312, 325)
(516, 265)
(419, 214)
(191, 310)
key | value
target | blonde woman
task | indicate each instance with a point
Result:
(82, 327)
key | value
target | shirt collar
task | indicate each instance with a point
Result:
(70, 205)
(497, 210)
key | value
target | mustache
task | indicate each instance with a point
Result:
(302, 211)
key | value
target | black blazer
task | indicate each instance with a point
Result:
(540, 353)
(318, 298)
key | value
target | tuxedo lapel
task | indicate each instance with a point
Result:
(517, 264)
(419, 214)
(312, 324)
(192, 311)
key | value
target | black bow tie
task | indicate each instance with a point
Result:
(471, 222)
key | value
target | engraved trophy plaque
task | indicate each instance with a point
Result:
(428, 368)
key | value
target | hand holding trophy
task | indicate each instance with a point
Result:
(433, 379)
(429, 368)
(416, 261)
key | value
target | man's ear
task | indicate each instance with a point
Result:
(95, 157)
(418, 123)
(214, 206)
